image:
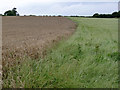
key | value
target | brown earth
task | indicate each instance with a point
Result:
(31, 35)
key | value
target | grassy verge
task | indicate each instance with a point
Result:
(88, 59)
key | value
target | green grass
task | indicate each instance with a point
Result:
(88, 59)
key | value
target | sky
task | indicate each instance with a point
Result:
(60, 7)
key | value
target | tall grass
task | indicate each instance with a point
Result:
(88, 59)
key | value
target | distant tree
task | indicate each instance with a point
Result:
(12, 12)
(8, 13)
(32, 15)
(96, 15)
(115, 14)
(59, 15)
(119, 14)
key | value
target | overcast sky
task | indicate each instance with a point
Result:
(60, 7)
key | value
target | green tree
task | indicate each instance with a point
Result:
(12, 12)
(96, 15)
(115, 14)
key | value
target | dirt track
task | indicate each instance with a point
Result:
(32, 34)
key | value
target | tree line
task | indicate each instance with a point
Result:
(113, 15)
(14, 12)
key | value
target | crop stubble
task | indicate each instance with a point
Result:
(29, 36)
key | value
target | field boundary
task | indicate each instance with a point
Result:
(33, 52)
